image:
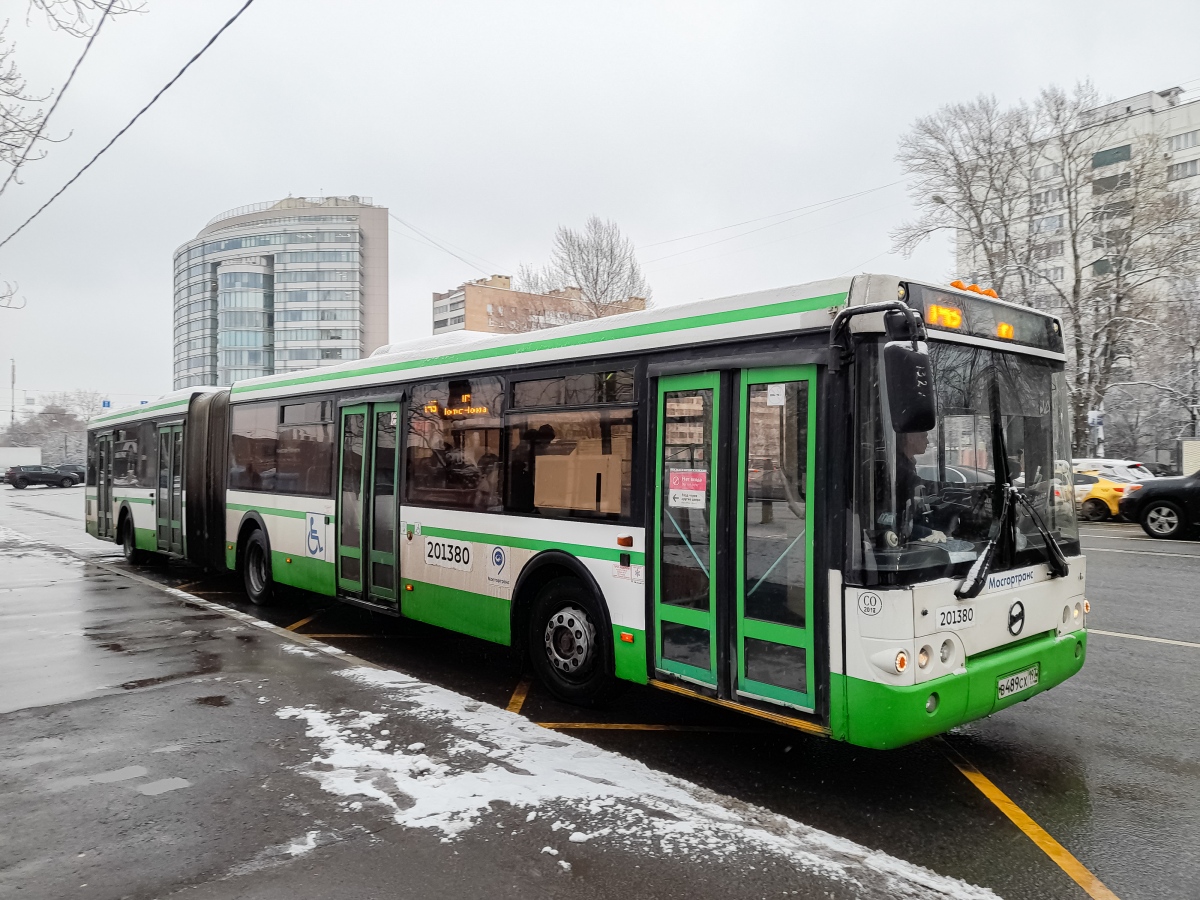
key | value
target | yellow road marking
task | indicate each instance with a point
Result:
(302, 622)
(381, 636)
(800, 724)
(518, 696)
(1094, 887)
(1142, 637)
(639, 726)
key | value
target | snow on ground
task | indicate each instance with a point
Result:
(576, 792)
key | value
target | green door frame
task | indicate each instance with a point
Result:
(703, 619)
(390, 556)
(350, 585)
(104, 461)
(788, 635)
(166, 525)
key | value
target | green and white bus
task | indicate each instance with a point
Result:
(843, 506)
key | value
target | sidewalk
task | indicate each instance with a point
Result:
(151, 743)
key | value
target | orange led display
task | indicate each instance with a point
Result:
(945, 316)
(1004, 330)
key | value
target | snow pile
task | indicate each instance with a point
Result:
(494, 758)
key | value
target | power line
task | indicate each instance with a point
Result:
(46, 118)
(809, 210)
(773, 215)
(435, 243)
(212, 40)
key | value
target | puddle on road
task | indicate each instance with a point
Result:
(215, 700)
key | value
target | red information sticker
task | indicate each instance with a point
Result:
(687, 488)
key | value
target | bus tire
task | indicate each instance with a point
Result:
(1163, 519)
(568, 646)
(129, 547)
(256, 569)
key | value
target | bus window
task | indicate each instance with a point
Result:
(452, 457)
(252, 447)
(304, 453)
(571, 463)
(574, 390)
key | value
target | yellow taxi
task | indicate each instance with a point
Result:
(1102, 501)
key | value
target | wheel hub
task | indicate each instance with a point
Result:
(570, 639)
(1162, 520)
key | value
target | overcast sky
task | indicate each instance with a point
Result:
(489, 124)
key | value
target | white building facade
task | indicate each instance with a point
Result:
(281, 286)
(1160, 114)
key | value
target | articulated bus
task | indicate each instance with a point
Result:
(842, 506)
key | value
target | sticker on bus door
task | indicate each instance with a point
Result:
(687, 488)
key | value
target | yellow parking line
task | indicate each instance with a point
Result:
(1094, 887)
(518, 696)
(302, 622)
(639, 726)
(382, 636)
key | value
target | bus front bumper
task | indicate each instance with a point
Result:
(882, 716)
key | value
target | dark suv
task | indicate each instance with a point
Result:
(21, 477)
(1164, 507)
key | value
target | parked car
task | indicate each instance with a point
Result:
(1164, 507)
(73, 469)
(1103, 499)
(1126, 468)
(21, 477)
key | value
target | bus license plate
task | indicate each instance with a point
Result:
(1017, 682)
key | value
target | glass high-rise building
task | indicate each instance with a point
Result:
(281, 286)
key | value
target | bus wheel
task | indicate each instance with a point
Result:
(129, 548)
(256, 569)
(567, 644)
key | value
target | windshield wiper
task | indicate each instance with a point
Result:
(977, 576)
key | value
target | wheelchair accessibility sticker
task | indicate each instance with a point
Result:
(314, 536)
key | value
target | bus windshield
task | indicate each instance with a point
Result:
(926, 504)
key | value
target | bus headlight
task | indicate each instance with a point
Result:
(923, 657)
(947, 652)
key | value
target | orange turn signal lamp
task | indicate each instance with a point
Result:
(974, 289)
(624, 540)
(627, 637)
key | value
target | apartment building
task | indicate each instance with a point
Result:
(491, 305)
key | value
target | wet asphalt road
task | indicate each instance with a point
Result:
(1108, 764)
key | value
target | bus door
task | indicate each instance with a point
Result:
(368, 503)
(733, 567)
(169, 502)
(685, 588)
(104, 462)
(773, 558)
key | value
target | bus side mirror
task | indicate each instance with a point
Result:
(909, 387)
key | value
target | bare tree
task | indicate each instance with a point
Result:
(1049, 212)
(598, 261)
(23, 117)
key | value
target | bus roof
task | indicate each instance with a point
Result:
(773, 311)
(176, 401)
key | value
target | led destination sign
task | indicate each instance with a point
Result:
(983, 318)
